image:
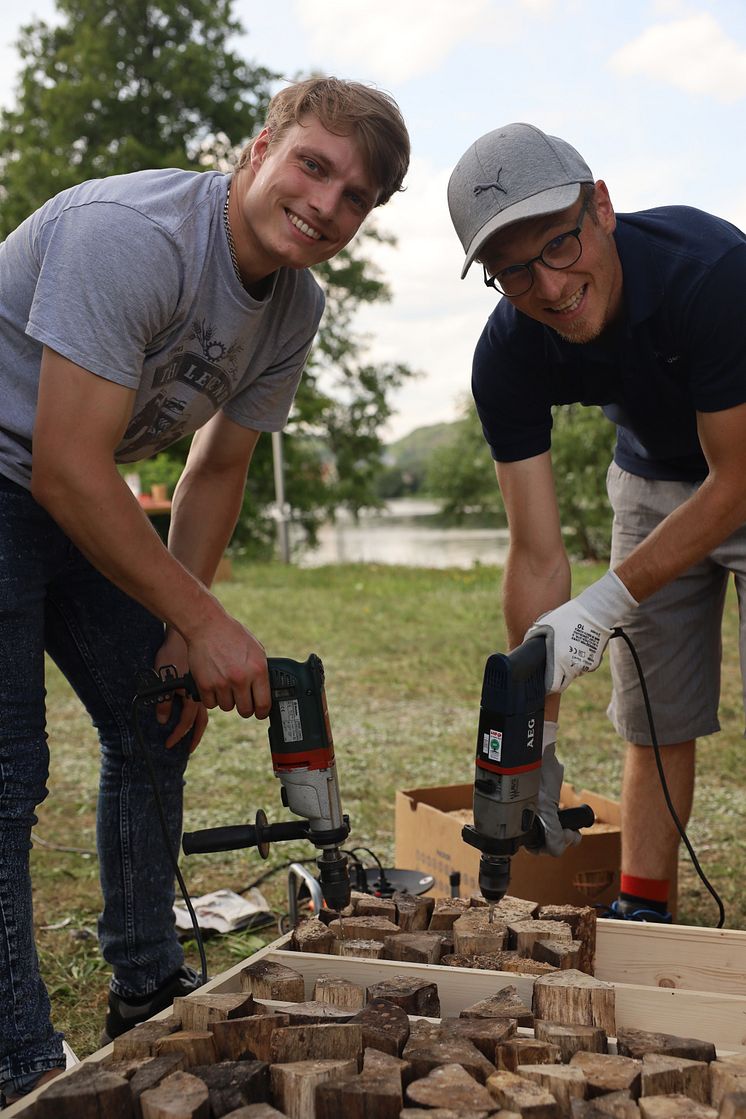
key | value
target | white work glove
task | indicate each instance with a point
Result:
(556, 838)
(578, 631)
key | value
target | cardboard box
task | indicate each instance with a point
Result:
(428, 838)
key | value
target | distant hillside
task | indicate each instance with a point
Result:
(406, 459)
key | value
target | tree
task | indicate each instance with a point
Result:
(462, 475)
(117, 88)
(582, 448)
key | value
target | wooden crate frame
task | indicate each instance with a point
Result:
(676, 979)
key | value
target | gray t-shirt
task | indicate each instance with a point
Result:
(131, 278)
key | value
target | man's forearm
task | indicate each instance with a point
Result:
(530, 589)
(203, 516)
(685, 537)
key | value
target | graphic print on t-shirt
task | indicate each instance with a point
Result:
(187, 380)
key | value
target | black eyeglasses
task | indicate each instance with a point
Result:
(561, 252)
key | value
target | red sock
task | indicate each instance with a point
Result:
(648, 889)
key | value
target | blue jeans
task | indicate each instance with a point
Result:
(52, 599)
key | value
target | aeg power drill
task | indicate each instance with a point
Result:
(302, 749)
(508, 770)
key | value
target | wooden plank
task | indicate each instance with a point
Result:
(681, 956)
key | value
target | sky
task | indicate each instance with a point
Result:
(651, 92)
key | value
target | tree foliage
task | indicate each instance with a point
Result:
(462, 475)
(118, 88)
(142, 84)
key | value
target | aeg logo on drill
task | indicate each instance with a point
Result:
(531, 730)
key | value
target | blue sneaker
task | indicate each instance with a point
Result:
(621, 910)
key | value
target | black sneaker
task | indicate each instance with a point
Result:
(622, 910)
(124, 1014)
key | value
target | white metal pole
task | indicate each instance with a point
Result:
(281, 510)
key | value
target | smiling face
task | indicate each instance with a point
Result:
(300, 199)
(578, 302)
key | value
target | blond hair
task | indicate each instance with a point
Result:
(345, 107)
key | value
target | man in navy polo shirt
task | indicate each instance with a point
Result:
(643, 315)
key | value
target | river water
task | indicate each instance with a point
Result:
(404, 533)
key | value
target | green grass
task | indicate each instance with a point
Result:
(404, 652)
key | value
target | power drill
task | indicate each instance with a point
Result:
(508, 765)
(302, 749)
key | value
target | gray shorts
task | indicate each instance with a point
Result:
(676, 632)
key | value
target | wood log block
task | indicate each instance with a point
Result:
(514, 909)
(317, 1043)
(198, 1046)
(483, 963)
(197, 1012)
(312, 935)
(87, 1093)
(619, 1105)
(369, 906)
(727, 1075)
(526, 1051)
(562, 1081)
(665, 1076)
(446, 912)
(140, 1041)
(511, 961)
(675, 1107)
(179, 1096)
(333, 990)
(364, 928)
(452, 1083)
(378, 1065)
(414, 948)
(257, 1111)
(152, 1072)
(294, 1085)
(314, 1013)
(733, 1106)
(358, 1099)
(636, 1043)
(267, 980)
(505, 1003)
(574, 997)
(415, 996)
(607, 1072)
(375, 1094)
(239, 1037)
(572, 1039)
(426, 1054)
(485, 1033)
(360, 948)
(474, 934)
(582, 922)
(449, 1113)
(412, 913)
(558, 953)
(516, 1093)
(385, 1026)
(231, 1084)
(522, 935)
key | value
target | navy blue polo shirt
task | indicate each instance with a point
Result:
(679, 348)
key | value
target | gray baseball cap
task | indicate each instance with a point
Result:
(513, 173)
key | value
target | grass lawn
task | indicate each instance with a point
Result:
(404, 652)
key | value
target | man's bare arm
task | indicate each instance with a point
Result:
(703, 522)
(80, 421)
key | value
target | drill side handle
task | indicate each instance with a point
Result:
(576, 818)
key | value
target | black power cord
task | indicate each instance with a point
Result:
(618, 632)
(138, 703)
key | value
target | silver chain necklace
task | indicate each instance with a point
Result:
(229, 235)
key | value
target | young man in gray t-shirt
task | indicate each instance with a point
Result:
(136, 310)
